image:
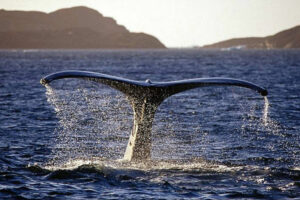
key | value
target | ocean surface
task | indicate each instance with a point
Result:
(66, 140)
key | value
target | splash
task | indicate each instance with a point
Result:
(196, 164)
(96, 122)
(93, 127)
(266, 111)
(271, 125)
(93, 121)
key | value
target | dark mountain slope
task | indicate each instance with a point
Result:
(285, 39)
(78, 27)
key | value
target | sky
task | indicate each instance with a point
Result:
(185, 23)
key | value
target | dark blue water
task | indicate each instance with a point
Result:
(64, 142)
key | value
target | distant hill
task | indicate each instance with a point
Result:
(283, 40)
(77, 27)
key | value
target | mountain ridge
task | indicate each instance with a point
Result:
(289, 38)
(76, 27)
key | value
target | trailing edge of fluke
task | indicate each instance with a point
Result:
(145, 97)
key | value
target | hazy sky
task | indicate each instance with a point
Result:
(182, 23)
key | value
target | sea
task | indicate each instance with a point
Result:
(66, 140)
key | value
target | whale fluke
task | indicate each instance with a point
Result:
(145, 97)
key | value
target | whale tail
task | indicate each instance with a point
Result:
(145, 97)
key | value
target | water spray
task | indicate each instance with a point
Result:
(145, 97)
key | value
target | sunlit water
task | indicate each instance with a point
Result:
(67, 140)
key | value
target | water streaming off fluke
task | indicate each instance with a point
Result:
(266, 111)
(94, 121)
(145, 97)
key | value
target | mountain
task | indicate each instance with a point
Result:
(283, 40)
(70, 28)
